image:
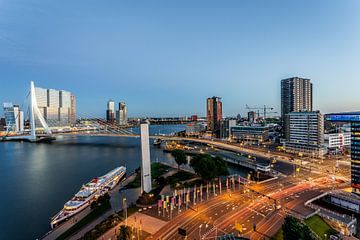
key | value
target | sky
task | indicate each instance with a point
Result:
(164, 58)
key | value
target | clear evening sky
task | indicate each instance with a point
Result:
(165, 57)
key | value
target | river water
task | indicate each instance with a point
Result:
(37, 179)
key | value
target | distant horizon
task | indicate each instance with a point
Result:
(165, 58)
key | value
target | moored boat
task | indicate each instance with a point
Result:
(88, 193)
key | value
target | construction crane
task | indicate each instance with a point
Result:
(265, 109)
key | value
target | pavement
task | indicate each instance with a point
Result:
(149, 225)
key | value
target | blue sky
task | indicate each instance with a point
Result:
(165, 57)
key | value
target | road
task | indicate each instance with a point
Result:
(218, 216)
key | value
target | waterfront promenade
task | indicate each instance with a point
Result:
(115, 201)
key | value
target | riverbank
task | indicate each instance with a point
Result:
(87, 219)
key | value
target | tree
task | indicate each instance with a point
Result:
(294, 229)
(179, 156)
(124, 233)
(208, 167)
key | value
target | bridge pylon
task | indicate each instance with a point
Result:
(35, 112)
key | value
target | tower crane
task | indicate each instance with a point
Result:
(265, 110)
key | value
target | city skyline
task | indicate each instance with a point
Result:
(141, 54)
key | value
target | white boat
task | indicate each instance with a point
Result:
(88, 193)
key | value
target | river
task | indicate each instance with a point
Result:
(37, 179)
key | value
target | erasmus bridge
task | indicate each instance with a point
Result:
(42, 129)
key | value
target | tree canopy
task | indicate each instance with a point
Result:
(294, 229)
(179, 156)
(124, 233)
(208, 167)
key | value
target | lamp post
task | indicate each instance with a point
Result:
(124, 206)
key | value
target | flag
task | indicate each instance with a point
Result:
(239, 227)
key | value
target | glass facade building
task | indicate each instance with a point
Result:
(121, 114)
(110, 111)
(355, 156)
(214, 114)
(14, 118)
(354, 119)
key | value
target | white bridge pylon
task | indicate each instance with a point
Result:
(35, 112)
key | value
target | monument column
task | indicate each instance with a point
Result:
(145, 159)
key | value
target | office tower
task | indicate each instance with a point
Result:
(252, 117)
(121, 114)
(214, 114)
(14, 118)
(2, 124)
(296, 96)
(110, 112)
(225, 127)
(354, 119)
(73, 109)
(145, 159)
(56, 107)
(306, 133)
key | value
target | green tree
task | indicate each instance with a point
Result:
(208, 167)
(294, 229)
(124, 233)
(179, 156)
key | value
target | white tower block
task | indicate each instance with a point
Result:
(145, 159)
(34, 111)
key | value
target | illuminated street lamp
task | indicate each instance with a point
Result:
(124, 207)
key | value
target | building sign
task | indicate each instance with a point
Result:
(355, 117)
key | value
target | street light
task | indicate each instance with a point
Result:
(124, 206)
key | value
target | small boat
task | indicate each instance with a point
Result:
(157, 142)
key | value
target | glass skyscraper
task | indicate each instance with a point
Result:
(214, 114)
(354, 119)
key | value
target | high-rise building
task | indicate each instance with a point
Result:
(252, 117)
(2, 124)
(225, 127)
(306, 133)
(56, 106)
(110, 112)
(73, 109)
(121, 114)
(354, 119)
(214, 114)
(14, 118)
(296, 96)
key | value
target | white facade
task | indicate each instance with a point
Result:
(111, 105)
(145, 159)
(305, 133)
(56, 107)
(338, 140)
(121, 114)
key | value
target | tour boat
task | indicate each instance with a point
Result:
(89, 192)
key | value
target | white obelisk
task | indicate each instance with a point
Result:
(145, 159)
